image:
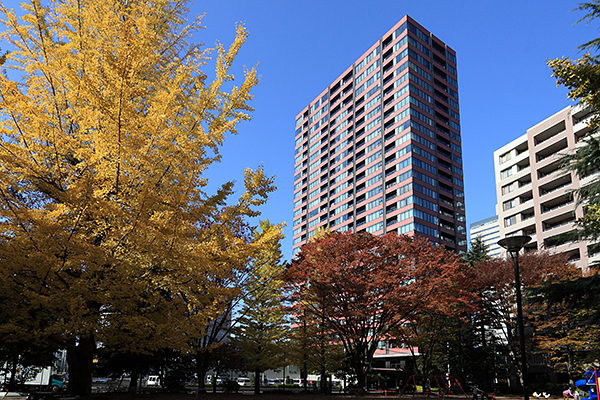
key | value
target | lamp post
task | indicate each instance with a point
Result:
(514, 244)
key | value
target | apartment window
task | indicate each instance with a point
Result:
(375, 215)
(507, 205)
(375, 228)
(510, 221)
(505, 157)
(506, 173)
(508, 188)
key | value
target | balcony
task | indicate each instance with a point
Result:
(549, 133)
(557, 184)
(549, 227)
(551, 151)
(547, 210)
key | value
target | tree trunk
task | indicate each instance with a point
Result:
(361, 379)
(359, 368)
(135, 375)
(202, 358)
(570, 367)
(80, 356)
(12, 384)
(257, 382)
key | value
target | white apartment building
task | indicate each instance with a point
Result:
(489, 231)
(534, 194)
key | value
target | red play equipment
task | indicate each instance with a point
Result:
(443, 385)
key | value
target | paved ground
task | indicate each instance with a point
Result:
(270, 396)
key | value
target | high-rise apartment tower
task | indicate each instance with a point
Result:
(379, 150)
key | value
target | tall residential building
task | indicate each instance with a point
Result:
(534, 194)
(379, 149)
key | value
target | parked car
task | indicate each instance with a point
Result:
(219, 380)
(153, 380)
(243, 381)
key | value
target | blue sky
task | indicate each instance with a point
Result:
(505, 86)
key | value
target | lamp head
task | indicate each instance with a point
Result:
(514, 243)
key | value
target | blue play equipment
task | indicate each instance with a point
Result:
(589, 384)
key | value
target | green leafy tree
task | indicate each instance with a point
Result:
(494, 283)
(475, 258)
(262, 333)
(472, 350)
(315, 348)
(206, 340)
(20, 355)
(565, 333)
(225, 358)
(116, 364)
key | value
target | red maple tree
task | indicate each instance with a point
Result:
(362, 286)
(494, 280)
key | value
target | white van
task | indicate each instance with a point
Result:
(153, 380)
(243, 381)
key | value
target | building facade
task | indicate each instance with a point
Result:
(534, 194)
(379, 149)
(489, 231)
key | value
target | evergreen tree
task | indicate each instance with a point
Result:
(478, 252)
(579, 297)
(593, 12)
(262, 332)
(582, 78)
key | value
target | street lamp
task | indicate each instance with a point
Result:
(514, 244)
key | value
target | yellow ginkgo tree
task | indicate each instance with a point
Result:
(107, 126)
